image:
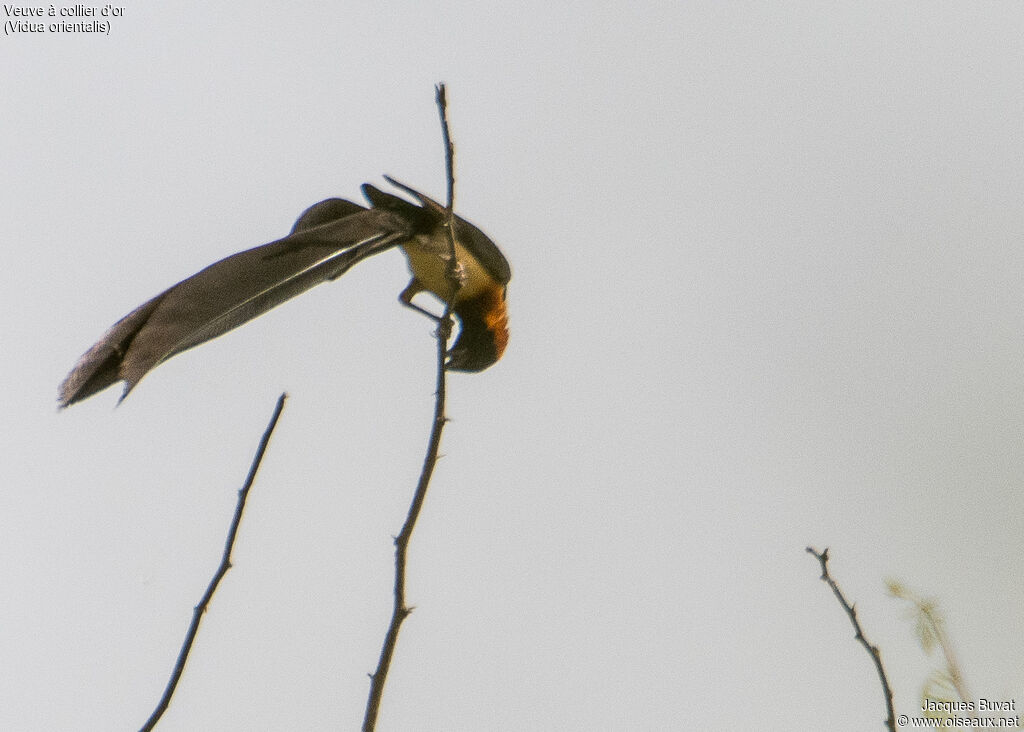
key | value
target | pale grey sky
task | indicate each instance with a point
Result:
(767, 292)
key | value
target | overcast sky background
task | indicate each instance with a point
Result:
(767, 292)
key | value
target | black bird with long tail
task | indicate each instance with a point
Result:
(328, 238)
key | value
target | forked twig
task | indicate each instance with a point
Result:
(400, 610)
(225, 565)
(851, 611)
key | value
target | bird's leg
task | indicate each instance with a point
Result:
(405, 297)
(412, 290)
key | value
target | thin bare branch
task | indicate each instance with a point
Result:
(400, 611)
(225, 565)
(851, 611)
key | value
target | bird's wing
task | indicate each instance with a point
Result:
(325, 243)
(325, 211)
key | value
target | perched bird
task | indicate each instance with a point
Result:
(327, 239)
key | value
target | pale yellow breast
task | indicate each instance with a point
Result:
(427, 266)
